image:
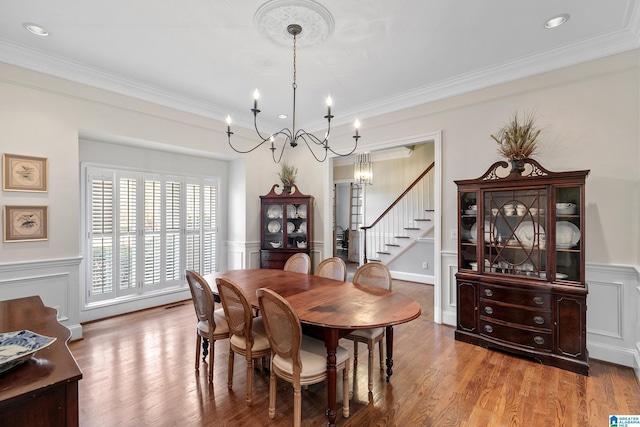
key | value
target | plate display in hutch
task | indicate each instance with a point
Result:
(286, 225)
(521, 252)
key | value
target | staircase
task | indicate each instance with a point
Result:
(407, 219)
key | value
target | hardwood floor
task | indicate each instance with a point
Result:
(139, 371)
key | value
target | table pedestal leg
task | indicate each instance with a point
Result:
(389, 333)
(331, 342)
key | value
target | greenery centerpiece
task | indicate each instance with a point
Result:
(287, 176)
(518, 140)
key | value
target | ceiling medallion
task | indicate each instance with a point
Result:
(273, 17)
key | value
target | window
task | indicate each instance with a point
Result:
(144, 230)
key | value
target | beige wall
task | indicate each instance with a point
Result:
(590, 115)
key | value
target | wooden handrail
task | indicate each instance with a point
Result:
(391, 206)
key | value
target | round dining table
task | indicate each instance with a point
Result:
(329, 309)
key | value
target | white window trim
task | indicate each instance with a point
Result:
(142, 292)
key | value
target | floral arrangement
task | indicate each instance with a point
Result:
(517, 139)
(288, 174)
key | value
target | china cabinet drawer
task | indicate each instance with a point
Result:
(531, 298)
(520, 315)
(532, 339)
(276, 260)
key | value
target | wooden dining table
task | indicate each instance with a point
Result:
(329, 309)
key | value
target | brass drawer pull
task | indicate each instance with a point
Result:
(488, 328)
(488, 310)
(538, 340)
(538, 320)
(488, 292)
(538, 300)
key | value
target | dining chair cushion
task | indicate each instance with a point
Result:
(260, 339)
(313, 355)
(221, 323)
(367, 333)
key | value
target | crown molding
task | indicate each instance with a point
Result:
(595, 48)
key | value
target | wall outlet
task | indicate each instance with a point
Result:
(454, 233)
(425, 265)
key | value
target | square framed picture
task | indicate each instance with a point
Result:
(24, 173)
(25, 223)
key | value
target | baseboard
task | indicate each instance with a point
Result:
(412, 277)
(76, 332)
(450, 318)
(636, 359)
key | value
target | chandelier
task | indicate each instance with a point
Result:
(319, 148)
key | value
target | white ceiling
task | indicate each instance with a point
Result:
(207, 57)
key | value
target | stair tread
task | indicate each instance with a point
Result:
(412, 228)
(402, 237)
(392, 244)
(422, 219)
(383, 253)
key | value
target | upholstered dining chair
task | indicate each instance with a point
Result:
(300, 263)
(332, 268)
(212, 324)
(297, 359)
(248, 337)
(370, 274)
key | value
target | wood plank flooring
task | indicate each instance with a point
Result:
(139, 371)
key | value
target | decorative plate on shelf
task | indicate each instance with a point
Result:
(273, 227)
(567, 234)
(527, 232)
(291, 211)
(274, 211)
(489, 229)
(290, 227)
(303, 227)
(302, 211)
(17, 347)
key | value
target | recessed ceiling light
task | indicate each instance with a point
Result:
(556, 21)
(35, 29)
(282, 116)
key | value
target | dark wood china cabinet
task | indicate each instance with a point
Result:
(286, 224)
(521, 252)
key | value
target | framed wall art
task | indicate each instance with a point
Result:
(25, 223)
(24, 173)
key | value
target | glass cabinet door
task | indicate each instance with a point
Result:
(513, 228)
(274, 231)
(568, 233)
(467, 232)
(296, 225)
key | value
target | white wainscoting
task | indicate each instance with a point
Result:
(55, 281)
(612, 313)
(449, 267)
(613, 307)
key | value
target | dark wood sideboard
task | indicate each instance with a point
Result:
(43, 391)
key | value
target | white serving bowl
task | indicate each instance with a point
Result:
(565, 208)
